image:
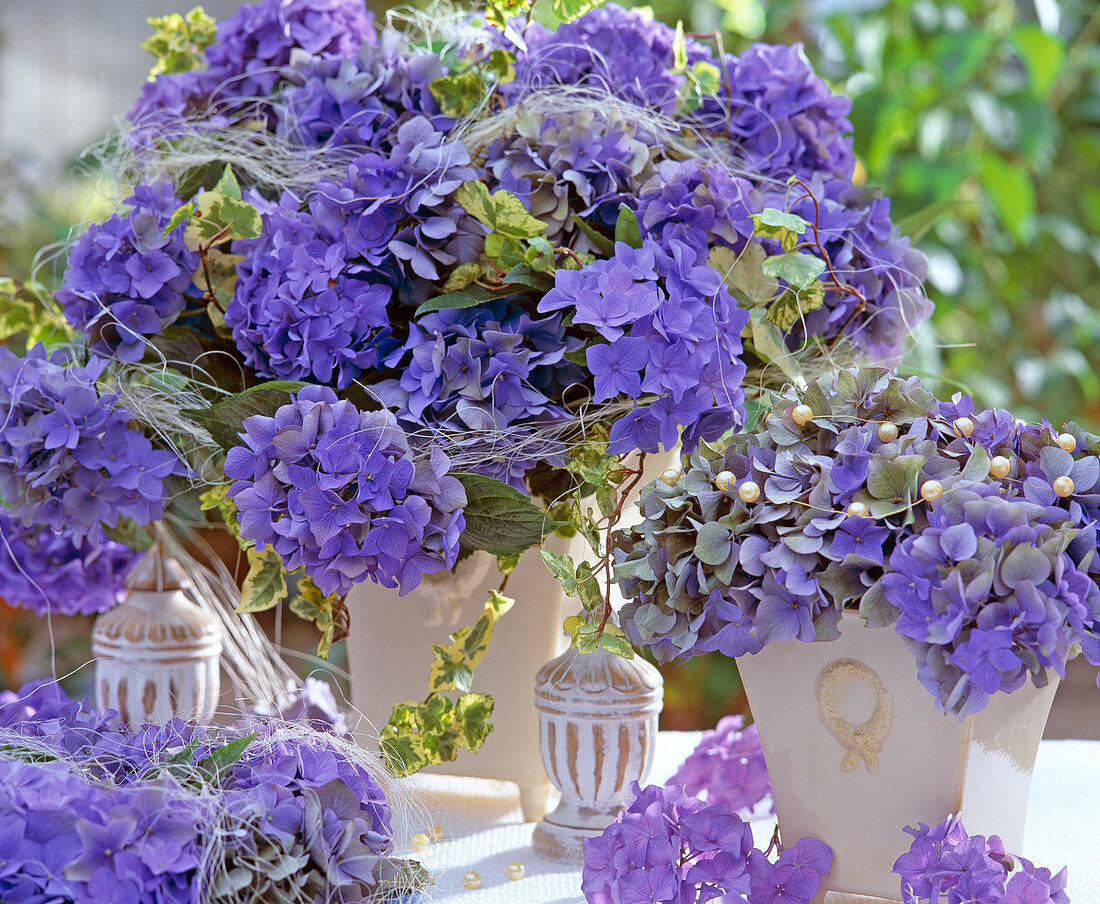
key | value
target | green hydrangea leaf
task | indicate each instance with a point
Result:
(223, 419)
(603, 245)
(627, 229)
(218, 761)
(500, 519)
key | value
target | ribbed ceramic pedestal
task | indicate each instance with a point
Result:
(856, 750)
(390, 652)
(597, 728)
(157, 654)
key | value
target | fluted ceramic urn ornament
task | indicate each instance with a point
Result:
(157, 654)
(598, 726)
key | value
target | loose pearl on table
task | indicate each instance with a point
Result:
(723, 479)
(888, 431)
(931, 490)
(1063, 486)
(802, 415)
(858, 510)
(1067, 441)
(516, 871)
(670, 476)
(748, 491)
(420, 842)
(963, 426)
(1000, 466)
(472, 880)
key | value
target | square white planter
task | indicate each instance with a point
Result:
(857, 750)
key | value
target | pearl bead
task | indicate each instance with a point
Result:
(516, 871)
(887, 431)
(420, 842)
(472, 880)
(802, 415)
(1067, 441)
(722, 480)
(1000, 466)
(1063, 486)
(931, 490)
(670, 476)
(436, 832)
(858, 510)
(748, 491)
(963, 426)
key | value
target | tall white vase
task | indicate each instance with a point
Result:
(856, 750)
(390, 652)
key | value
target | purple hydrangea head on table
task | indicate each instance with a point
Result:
(95, 811)
(971, 533)
(377, 297)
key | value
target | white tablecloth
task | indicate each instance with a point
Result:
(483, 828)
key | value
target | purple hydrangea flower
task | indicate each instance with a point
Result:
(47, 571)
(667, 846)
(480, 381)
(358, 101)
(988, 599)
(698, 203)
(583, 164)
(945, 863)
(313, 294)
(246, 62)
(609, 50)
(991, 585)
(690, 370)
(68, 458)
(868, 253)
(727, 766)
(778, 116)
(126, 279)
(133, 814)
(338, 492)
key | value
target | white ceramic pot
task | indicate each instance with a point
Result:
(157, 654)
(598, 726)
(390, 652)
(856, 750)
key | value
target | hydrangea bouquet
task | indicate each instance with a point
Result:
(381, 296)
(264, 811)
(971, 533)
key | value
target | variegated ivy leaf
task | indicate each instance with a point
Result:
(265, 584)
(178, 41)
(220, 214)
(326, 612)
(453, 664)
(744, 273)
(789, 308)
(786, 228)
(800, 271)
(501, 211)
(586, 637)
(568, 10)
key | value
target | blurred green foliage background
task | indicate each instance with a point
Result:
(981, 120)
